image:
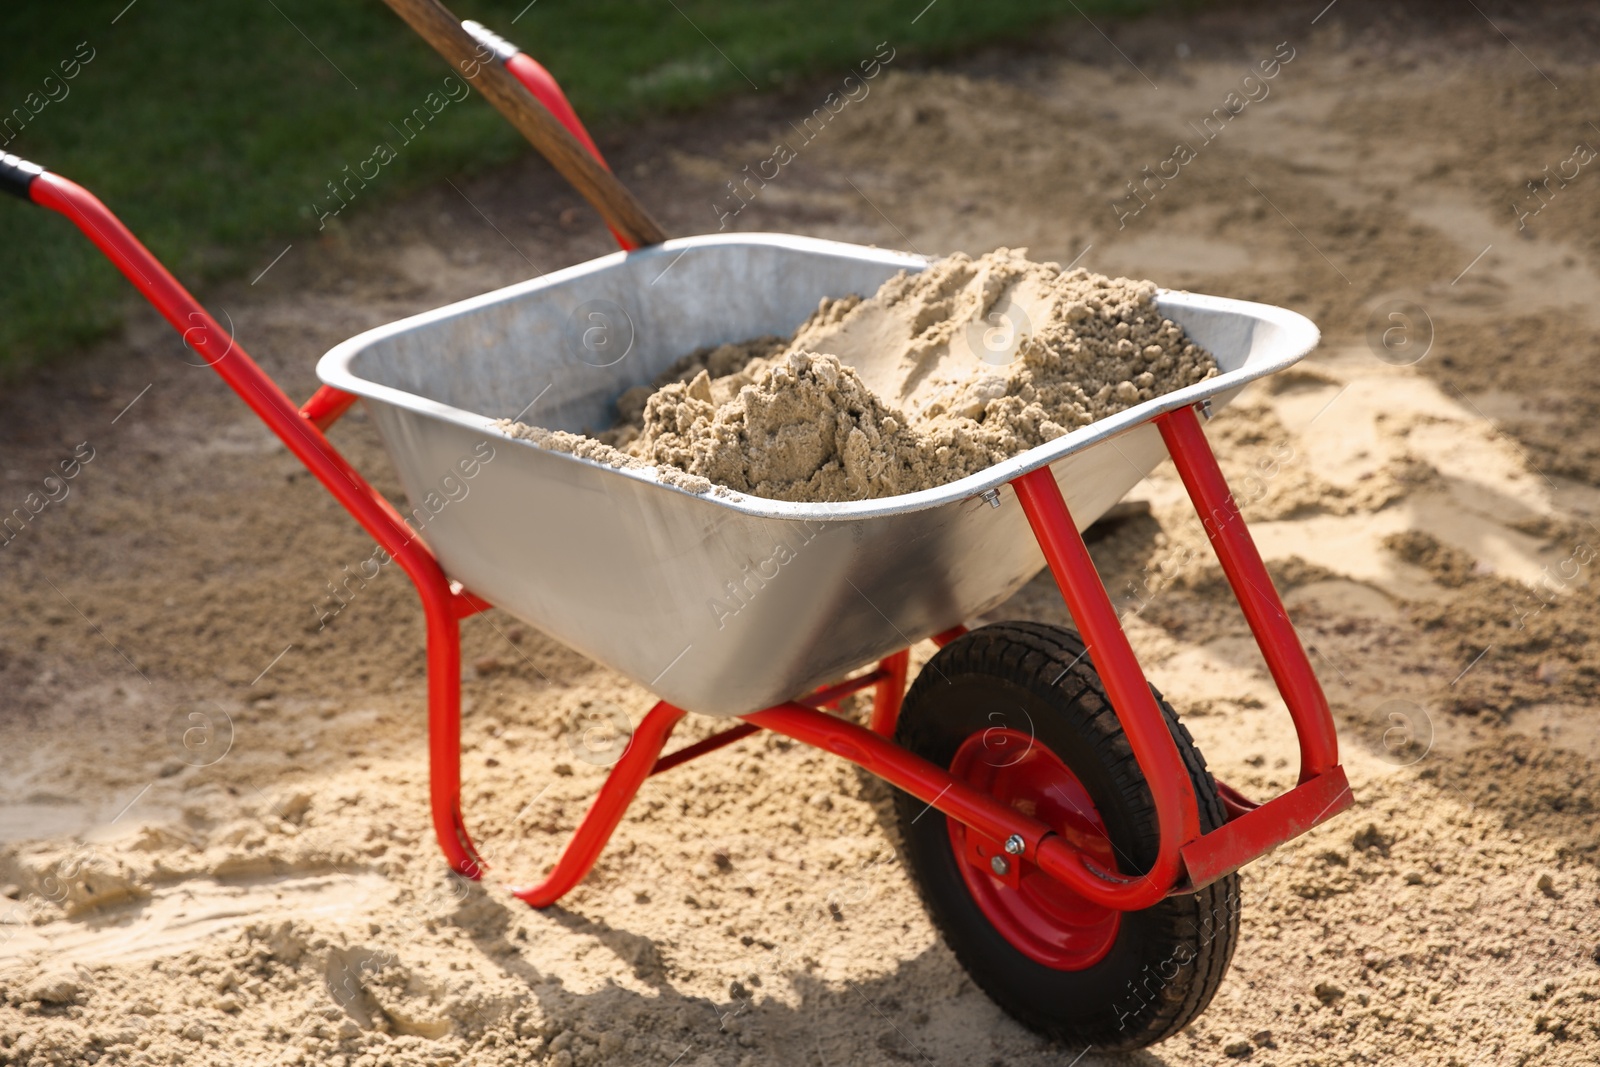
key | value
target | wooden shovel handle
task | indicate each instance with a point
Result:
(622, 212)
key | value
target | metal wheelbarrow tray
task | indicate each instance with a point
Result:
(721, 603)
(736, 606)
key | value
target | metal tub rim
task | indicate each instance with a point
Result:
(1300, 337)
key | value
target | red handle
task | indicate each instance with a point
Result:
(443, 606)
(545, 89)
(615, 203)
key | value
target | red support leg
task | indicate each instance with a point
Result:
(326, 406)
(826, 697)
(637, 761)
(891, 690)
(1136, 708)
(1241, 562)
(710, 744)
(444, 737)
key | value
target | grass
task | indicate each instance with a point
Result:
(212, 129)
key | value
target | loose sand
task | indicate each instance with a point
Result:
(259, 885)
(938, 375)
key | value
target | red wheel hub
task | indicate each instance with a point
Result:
(1039, 916)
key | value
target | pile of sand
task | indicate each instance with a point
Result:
(939, 375)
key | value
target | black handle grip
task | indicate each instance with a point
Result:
(17, 174)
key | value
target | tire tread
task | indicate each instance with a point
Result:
(1053, 663)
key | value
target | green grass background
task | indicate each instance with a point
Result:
(210, 127)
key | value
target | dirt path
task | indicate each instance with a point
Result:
(213, 832)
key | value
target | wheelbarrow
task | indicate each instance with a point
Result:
(1060, 824)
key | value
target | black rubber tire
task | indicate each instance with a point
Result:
(1167, 961)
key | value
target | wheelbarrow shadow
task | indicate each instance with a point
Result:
(921, 1010)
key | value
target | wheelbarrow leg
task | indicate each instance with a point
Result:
(1252, 586)
(889, 692)
(638, 759)
(444, 730)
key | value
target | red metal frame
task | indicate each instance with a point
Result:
(883, 675)
(443, 607)
(1186, 859)
(891, 690)
(1236, 551)
(1135, 705)
(616, 793)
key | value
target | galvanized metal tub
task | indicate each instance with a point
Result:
(721, 604)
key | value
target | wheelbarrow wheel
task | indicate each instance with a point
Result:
(1017, 710)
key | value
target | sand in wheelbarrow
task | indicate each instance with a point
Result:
(938, 375)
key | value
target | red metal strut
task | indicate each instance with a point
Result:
(1141, 718)
(642, 758)
(1252, 586)
(608, 808)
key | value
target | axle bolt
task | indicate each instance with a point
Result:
(998, 865)
(1015, 845)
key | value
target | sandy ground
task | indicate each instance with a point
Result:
(215, 842)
